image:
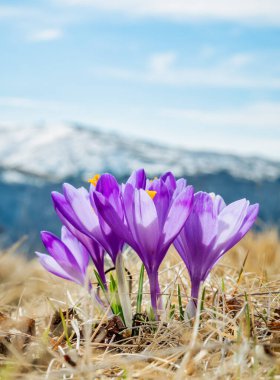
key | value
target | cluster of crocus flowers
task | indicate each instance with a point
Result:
(148, 216)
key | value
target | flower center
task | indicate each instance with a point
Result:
(94, 179)
(151, 193)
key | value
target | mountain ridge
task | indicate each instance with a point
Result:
(59, 151)
(37, 160)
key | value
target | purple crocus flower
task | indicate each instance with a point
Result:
(74, 207)
(76, 210)
(95, 250)
(67, 258)
(210, 231)
(149, 223)
(174, 186)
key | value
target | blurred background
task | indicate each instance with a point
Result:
(88, 86)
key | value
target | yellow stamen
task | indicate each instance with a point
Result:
(151, 193)
(94, 179)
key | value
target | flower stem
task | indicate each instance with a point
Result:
(192, 305)
(195, 290)
(123, 291)
(155, 292)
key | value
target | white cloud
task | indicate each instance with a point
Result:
(161, 62)
(46, 35)
(225, 74)
(20, 15)
(28, 103)
(241, 59)
(249, 11)
(263, 116)
(8, 12)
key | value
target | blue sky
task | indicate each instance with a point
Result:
(201, 74)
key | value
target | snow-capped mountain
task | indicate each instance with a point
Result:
(38, 159)
(55, 152)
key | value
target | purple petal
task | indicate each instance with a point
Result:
(219, 250)
(162, 203)
(230, 221)
(138, 179)
(77, 249)
(146, 225)
(181, 183)
(111, 217)
(219, 204)
(80, 203)
(58, 250)
(53, 267)
(249, 220)
(109, 187)
(177, 215)
(83, 217)
(169, 180)
(94, 248)
(198, 236)
(62, 207)
(129, 209)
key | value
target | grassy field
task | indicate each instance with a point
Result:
(52, 329)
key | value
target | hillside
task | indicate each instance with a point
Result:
(38, 159)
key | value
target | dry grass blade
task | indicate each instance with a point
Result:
(237, 334)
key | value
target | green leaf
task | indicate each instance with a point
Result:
(172, 311)
(100, 282)
(65, 328)
(140, 291)
(181, 310)
(247, 316)
(113, 285)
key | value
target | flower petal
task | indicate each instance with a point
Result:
(53, 267)
(61, 254)
(248, 221)
(138, 179)
(162, 203)
(129, 210)
(170, 181)
(95, 250)
(181, 183)
(77, 249)
(177, 215)
(146, 225)
(109, 187)
(57, 249)
(111, 217)
(195, 241)
(219, 250)
(63, 208)
(219, 204)
(80, 203)
(230, 221)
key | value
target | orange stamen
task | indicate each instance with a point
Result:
(94, 179)
(151, 193)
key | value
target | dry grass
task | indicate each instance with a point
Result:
(237, 335)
